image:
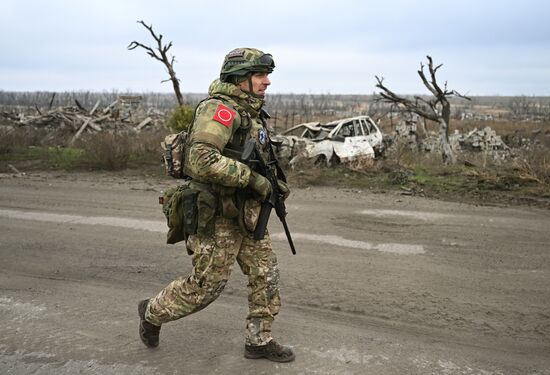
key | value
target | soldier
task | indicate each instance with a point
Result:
(228, 205)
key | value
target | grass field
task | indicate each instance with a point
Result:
(525, 179)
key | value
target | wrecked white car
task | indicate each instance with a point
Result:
(341, 140)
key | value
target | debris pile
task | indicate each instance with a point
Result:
(406, 131)
(122, 115)
(485, 139)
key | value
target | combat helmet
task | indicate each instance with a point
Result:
(241, 61)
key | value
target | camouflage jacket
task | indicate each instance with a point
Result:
(227, 118)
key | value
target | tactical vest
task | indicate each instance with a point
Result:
(241, 134)
(191, 207)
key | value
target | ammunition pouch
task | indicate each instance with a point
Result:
(180, 209)
(206, 205)
(250, 214)
(229, 203)
(228, 206)
(189, 208)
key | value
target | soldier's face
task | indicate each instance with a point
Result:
(260, 81)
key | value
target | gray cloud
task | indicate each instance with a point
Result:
(489, 47)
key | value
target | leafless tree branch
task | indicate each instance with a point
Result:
(389, 96)
(160, 53)
(436, 109)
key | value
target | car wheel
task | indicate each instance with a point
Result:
(321, 161)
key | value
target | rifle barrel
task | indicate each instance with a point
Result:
(288, 236)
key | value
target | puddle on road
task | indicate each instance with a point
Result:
(419, 215)
(396, 248)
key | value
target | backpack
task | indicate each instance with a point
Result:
(173, 154)
(173, 146)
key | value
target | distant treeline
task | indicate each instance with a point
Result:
(286, 109)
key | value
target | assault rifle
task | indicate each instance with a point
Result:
(252, 157)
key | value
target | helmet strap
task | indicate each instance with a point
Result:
(250, 88)
(236, 80)
(248, 78)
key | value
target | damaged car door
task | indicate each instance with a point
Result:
(349, 139)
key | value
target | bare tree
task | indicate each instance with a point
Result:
(437, 109)
(522, 107)
(161, 54)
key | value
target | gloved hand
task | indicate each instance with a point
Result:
(260, 185)
(284, 190)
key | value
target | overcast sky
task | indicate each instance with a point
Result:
(487, 47)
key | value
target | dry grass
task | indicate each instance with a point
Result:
(14, 139)
(34, 149)
(117, 151)
(476, 178)
(106, 151)
(534, 165)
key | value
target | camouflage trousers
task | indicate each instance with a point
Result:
(213, 259)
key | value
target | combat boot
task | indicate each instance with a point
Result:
(148, 332)
(272, 351)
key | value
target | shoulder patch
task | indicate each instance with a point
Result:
(224, 115)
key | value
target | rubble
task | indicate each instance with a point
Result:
(120, 115)
(483, 140)
(406, 131)
(300, 140)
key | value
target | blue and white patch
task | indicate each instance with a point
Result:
(262, 136)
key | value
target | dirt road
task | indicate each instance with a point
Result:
(382, 284)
